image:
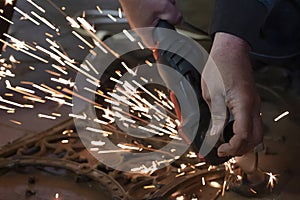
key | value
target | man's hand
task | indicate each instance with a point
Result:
(147, 13)
(235, 90)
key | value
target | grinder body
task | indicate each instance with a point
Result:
(179, 86)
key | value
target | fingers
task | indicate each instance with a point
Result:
(247, 129)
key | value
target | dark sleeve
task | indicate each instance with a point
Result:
(242, 18)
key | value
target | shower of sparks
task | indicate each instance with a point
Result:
(156, 107)
(281, 116)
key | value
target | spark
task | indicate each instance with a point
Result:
(95, 37)
(181, 174)
(72, 22)
(6, 108)
(272, 180)
(11, 102)
(112, 17)
(36, 6)
(145, 170)
(192, 155)
(130, 71)
(141, 45)
(99, 9)
(85, 67)
(49, 35)
(120, 13)
(63, 81)
(52, 43)
(44, 20)
(86, 25)
(25, 89)
(100, 122)
(149, 63)
(61, 54)
(97, 143)
(60, 69)
(18, 44)
(223, 188)
(143, 79)
(16, 122)
(128, 35)
(98, 131)
(215, 184)
(115, 80)
(26, 16)
(180, 198)
(83, 116)
(82, 39)
(281, 116)
(25, 52)
(129, 147)
(253, 191)
(94, 149)
(56, 114)
(150, 130)
(43, 89)
(93, 82)
(65, 141)
(65, 132)
(53, 73)
(112, 151)
(56, 93)
(100, 46)
(149, 187)
(7, 20)
(203, 180)
(81, 97)
(46, 116)
(60, 101)
(81, 71)
(10, 2)
(34, 99)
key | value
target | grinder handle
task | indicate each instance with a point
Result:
(165, 24)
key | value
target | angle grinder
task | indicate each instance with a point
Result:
(188, 71)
